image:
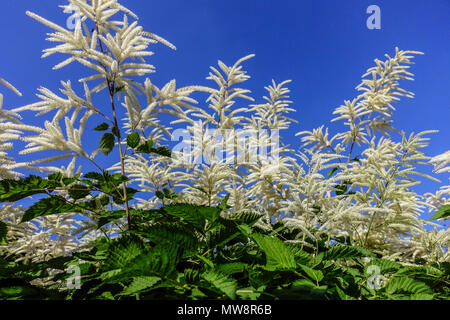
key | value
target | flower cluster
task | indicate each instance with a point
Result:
(322, 188)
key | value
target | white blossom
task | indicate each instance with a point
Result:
(356, 183)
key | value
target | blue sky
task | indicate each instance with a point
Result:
(322, 46)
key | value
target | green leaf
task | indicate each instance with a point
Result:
(131, 257)
(301, 257)
(159, 195)
(223, 204)
(3, 232)
(209, 213)
(49, 206)
(55, 176)
(167, 193)
(305, 289)
(408, 285)
(191, 275)
(95, 176)
(208, 262)
(245, 230)
(197, 294)
(140, 284)
(385, 266)
(107, 295)
(231, 268)
(115, 131)
(95, 204)
(110, 217)
(221, 235)
(250, 293)
(146, 147)
(15, 190)
(122, 252)
(342, 294)
(188, 213)
(316, 275)
(420, 271)
(330, 173)
(118, 89)
(102, 127)
(163, 259)
(278, 255)
(344, 251)
(442, 212)
(117, 178)
(167, 233)
(133, 140)
(303, 285)
(107, 143)
(316, 260)
(248, 218)
(15, 289)
(316, 209)
(421, 296)
(67, 181)
(118, 199)
(79, 192)
(341, 189)
(162, 151)
(221, 282)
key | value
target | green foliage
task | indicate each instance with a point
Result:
(118, 89)
(167, 233)
(442, 212)
(185, 251)
(342, 251)
(102, 127)
(15, 278)
(106, 185)
(115, 131)
(107, 143)
(189, 213)
(166, 194)
(278, 255)
(332, 171)
(79, 191)
(3, 232)
(147, 147)
(342, 189)
(221, 282)
(407, 285)
(15, 190)
(140, 284)
(48, 206)
(133, 140)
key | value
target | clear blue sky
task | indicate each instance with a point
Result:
(323, 46)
